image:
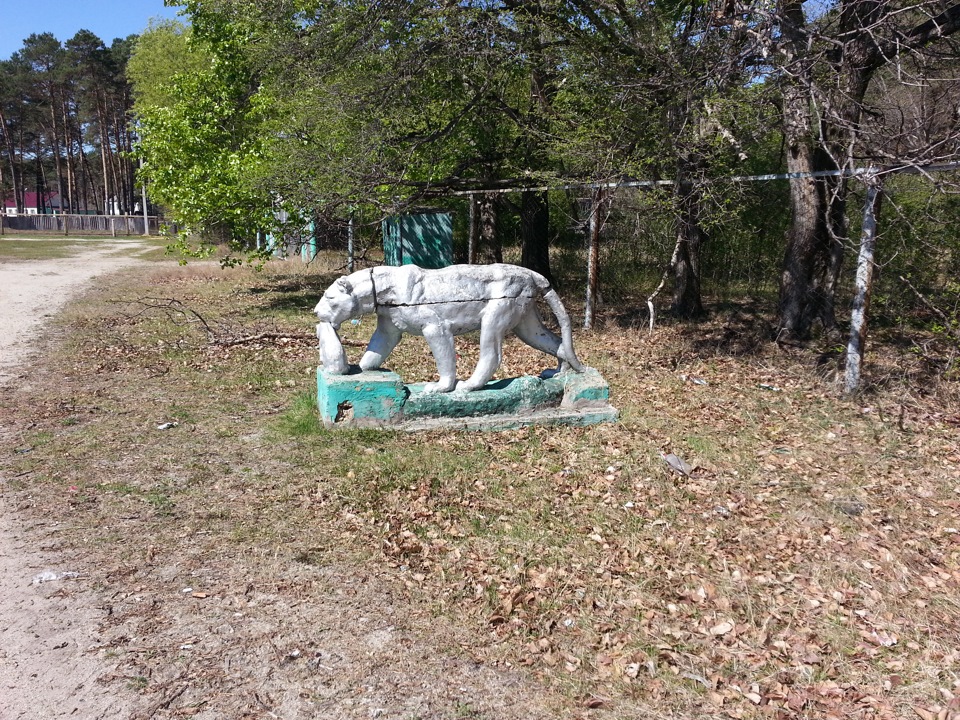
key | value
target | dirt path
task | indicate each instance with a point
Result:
(47, 626)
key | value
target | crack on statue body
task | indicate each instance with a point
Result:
(439, 305)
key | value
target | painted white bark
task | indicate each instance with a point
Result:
(864, 285)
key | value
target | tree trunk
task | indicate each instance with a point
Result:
(15, 178)
(807, 247)
(68, 138)
(473, 232)
(687, 300)
(118, 189)
(490, 250)
(814, 253)
(109, 208)
(89, 185)
(535, 232)
(861, 300)
(39, 177)
(57, 159)
(593, 261)
(124, 171)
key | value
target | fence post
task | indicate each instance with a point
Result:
(473, 229)
(350, 244)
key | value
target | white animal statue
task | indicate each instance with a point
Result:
(440, 304)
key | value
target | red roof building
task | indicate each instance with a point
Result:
(31, 204)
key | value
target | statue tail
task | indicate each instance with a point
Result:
(565, 352)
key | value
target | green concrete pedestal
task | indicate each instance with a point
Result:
(380, 399)
(370, 398)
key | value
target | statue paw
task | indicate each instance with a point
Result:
(439, 387)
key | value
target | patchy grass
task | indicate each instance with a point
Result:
(810, 567)
(33, 247)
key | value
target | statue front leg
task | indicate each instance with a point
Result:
(441, 345)
(332, 354)
(384, 340)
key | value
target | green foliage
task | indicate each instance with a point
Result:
(266, 116)
(379, 109)
(161, 53)
(200, 119)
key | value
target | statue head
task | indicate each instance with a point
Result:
(340, 302)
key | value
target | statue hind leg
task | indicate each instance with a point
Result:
(538, 336)
(491, 355)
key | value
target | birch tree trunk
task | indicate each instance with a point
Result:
(593, 262)
(473, 230)
(864, 285)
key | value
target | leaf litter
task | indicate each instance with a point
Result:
(809, 567)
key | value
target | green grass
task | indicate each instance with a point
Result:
(15, 248)
(138, 684)
(19, 248)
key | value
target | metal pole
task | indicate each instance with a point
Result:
(146, 217)
(593, 261)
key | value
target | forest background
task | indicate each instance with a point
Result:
(527, 118)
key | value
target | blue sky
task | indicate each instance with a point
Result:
(108, 19)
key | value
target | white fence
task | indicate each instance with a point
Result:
(82, 224)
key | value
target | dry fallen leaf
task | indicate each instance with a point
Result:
(722, 628)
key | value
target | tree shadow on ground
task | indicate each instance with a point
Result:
(294, 294)
(732, 327)
(909, 357)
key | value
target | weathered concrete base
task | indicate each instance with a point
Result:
(380, 399)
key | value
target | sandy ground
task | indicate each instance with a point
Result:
(48, 627)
